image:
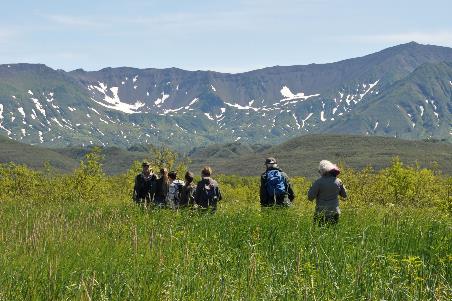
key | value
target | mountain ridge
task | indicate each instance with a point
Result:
(124, 106)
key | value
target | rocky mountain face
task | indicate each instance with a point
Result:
(403, 91)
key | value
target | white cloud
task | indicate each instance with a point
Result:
(76, 21)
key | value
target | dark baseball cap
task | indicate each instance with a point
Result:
(270, 160)
(145, 163)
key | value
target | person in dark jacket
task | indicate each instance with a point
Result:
(162, 188)
(326, 191)
(188, 191)
(145, 185)
(275, 188)
(207, 194)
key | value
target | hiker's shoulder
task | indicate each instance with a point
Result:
(212, 182)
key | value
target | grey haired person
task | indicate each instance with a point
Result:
(326, 191)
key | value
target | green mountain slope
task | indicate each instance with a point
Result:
(301, 155)
(298, 156)
(419, 105)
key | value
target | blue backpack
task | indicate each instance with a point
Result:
(275, 183)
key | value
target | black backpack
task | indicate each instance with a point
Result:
(209, 195)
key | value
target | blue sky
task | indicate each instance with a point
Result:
(226, 36)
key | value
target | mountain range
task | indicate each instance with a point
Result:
(404, 91)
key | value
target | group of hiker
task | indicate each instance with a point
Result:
(166, 190)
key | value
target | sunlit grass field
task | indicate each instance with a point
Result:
(79, 237)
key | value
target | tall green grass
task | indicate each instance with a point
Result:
(87, 241)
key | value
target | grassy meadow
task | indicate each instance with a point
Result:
(78, 236)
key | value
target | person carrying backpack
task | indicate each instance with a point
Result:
(145, 185)
(275, 188)
(174, 190)
(187, 196)
(162, 187)
(325, 191)
(207, 194)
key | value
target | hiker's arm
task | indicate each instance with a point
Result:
(263, 193)
(313, 191)
(220, 197)
(197, 193)
(135, 188)
(290, 192)
(153, 188)
(342, 190)
(191, 195)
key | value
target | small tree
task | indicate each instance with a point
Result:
(165, 157)
(89, 179)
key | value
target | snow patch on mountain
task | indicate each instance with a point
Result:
(213, 88)
(114, 102)
(285, 91)
(306, 119)
(159, 101)
(296, 120)
(41, 139)
(94, 110)
(193, 101)
(1, 121)
(57, 122)
(39, 106)
(371, 86)
(208, 116)
(21, 111)
(172, 110)
(237, 106)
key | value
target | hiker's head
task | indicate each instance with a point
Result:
(172, 175)
(327, 168)
(270, 162)
(146, 167)
(189, 177)
(163, 172)
(206, 171)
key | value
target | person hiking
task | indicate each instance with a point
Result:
(275, 188)
(174, 190)
(161, 189)
(145, 185)
(188, 191)
(325, 191)
(207, 194)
